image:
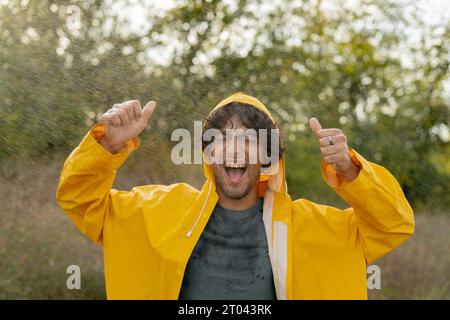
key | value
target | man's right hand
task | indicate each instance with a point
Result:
(123, 122)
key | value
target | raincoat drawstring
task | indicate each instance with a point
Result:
(188, 234)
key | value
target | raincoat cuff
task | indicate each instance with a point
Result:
(334, 180)
(103, 156)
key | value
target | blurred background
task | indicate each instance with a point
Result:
(377, 69)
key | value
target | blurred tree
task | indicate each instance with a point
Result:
(354, 66)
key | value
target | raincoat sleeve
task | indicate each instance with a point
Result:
(384, 219)
(85, 187)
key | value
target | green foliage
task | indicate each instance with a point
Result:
(64, 63)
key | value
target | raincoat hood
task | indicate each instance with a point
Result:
(273, 176)
(243, 98)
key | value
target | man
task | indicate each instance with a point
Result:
(240, 236)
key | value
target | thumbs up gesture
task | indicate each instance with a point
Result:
(123, 122)
(334, 149)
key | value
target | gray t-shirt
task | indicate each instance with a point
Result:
(230, 260)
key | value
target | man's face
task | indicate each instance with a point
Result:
(236, 178)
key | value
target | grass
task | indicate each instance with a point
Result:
(38, 243)
(420, 268)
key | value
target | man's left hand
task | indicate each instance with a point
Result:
(334, 148)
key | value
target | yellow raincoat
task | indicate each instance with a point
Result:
(148, 233)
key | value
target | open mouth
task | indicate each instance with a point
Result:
(235, 172)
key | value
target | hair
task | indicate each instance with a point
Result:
(250, 116)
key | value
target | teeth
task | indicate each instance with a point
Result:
(235, 165)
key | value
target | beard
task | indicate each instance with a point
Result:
(237, 193)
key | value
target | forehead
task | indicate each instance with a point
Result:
(234, 122)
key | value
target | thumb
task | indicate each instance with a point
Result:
(148, 110)
(315, 125)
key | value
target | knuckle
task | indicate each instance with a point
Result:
(121, 113)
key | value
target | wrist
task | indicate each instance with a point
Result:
(351, 173)
(111, 147)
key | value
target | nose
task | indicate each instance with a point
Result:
(235, 150)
